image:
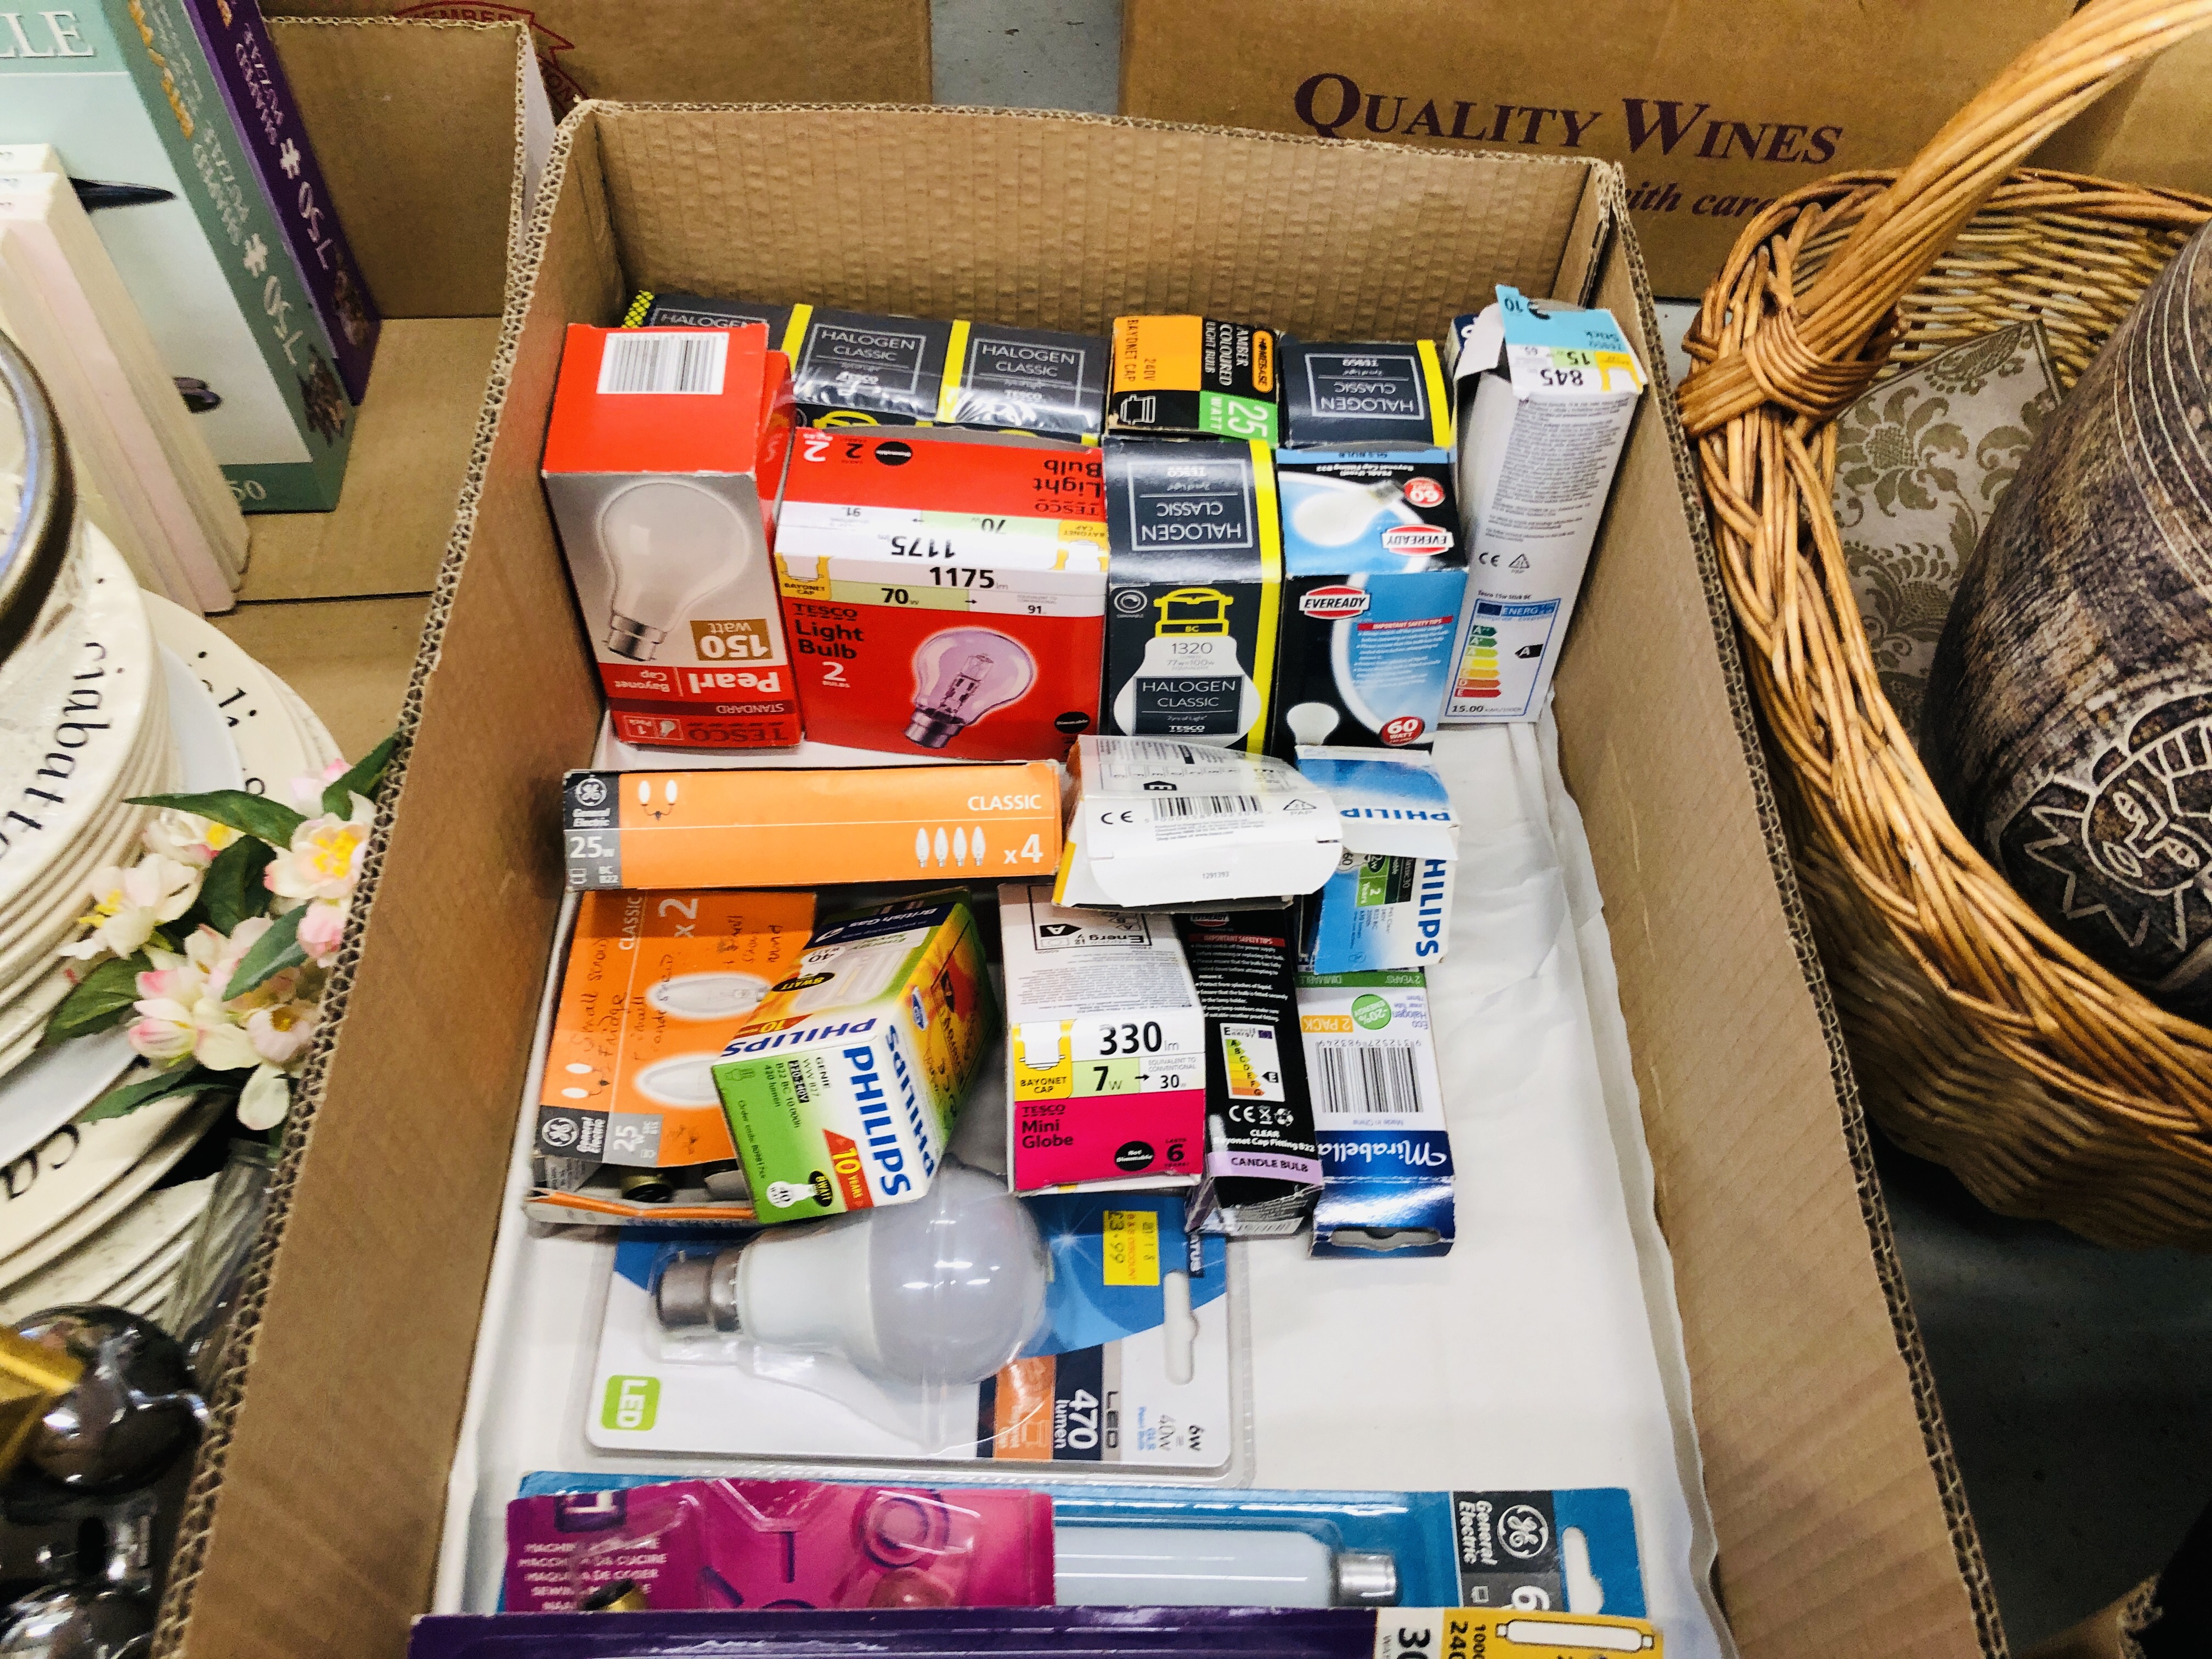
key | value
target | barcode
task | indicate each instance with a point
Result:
(1157, 751)
(1376, 1078)
(1204, 806)
(664, 363)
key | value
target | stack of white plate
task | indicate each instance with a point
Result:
(116, 694)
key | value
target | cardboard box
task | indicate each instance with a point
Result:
(1837, 1506)
(795, 828)
(941, 596)
(662, 463)
(1715, 107)
(1389, 901)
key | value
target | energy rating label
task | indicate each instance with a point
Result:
(1505, 644)
(1252, 1061)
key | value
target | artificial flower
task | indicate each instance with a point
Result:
(188, 838)
(127, 905)
(308, 790)
(163, 1032)
(324, 859)
(264, 1100)
(280, 1034)
(322, 930)
(220, 955)
(220, 1043)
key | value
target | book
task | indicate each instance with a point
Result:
(122, 91)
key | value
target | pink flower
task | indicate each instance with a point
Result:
(322, 930)
(163, 1032)
(308, 790)
(281, 1034)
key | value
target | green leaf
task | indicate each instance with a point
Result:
(232, 889)
(101, 998)
(368, 772)
(188, 1078)
(272, 953)
(257, 815)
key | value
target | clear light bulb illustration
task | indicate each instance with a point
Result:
(941, 1292)
(960, 676)
(669, 544)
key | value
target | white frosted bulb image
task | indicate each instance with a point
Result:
(960, 676)
(1213, 1567)
(942, 1291)
(669, 544)
(1312, 722)
(1332, 512)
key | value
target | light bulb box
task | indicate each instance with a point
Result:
(662, 461)
(1374, 576)
(1368, 394)
(1105, 1047)
(1390, 899)
(1194, 590)
(1196, 377)
(1546, 399)
(656, 985)
(1378, 1114)
(807, 827)
(943, 598)
(842, 1087)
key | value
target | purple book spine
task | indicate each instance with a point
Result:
(259, 99)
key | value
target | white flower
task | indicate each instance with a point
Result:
(264, 1100)
(127, 905)
(281, 1034)
(221, 1044)
(324, 860)
(218, 956)
(188, 838)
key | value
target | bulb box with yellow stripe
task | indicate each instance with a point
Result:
(842, 1087)
(1105, 1050)
(1195, 377)
(1372, 394)
(1545, 397)
(944, 596)
(856, 369)
(1194, 590)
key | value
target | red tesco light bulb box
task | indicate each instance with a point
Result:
(943, 595)
(662, 462)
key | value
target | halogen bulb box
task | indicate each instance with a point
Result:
(1546, 402)
(662, 461)
(1194, 590)
(1365, 395)
(1105, 1050)
(1378, 1114)
(1374, 575)
(656, 985)
(1388, 905)
(841, 1088)
(1193, 376)
(943, 597)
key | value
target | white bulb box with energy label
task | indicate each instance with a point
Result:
(1545, 397)
(943, 597)
(662, 460)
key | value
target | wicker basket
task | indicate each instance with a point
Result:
(1981, 1039)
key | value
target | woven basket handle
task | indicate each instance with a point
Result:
(1814, 357)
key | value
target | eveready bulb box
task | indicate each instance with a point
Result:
(1388, 905)
(1194, 591)
(1105, 1047)
(1374, 576)
(805, 827)
(1193, 376)
(1546, 399)
(842, 1087)
(656, 985)
(943, 598)
(662, 462)
(1372, 394)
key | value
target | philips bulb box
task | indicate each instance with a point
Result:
(1262, 1163)
(1546, 399)
(1105, 1047)
(1388, 905)
(1129, 1372)
(1378, 1114)
(662, 461)
(943, 598)
(842, 1087)
(1365, 395)
(1374, 576)
(1194, 591)
(1195, 377)
(655, 985)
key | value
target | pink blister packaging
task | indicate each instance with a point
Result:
(781, 1543)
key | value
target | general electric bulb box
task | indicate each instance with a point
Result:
(943, 598)
(1374, 575)
(1546, 399)
(1194, 590)
(656, 985)
(1369, 394)
(1378, 1113)
(1193, 376)
(842, 1087)
(1105, 1048)
(1389, 902)
(800, 827)
(662, 460)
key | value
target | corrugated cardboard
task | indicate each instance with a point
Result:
(1841, 1526)
(1715, 107)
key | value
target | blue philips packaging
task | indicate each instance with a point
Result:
(1388, 905)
